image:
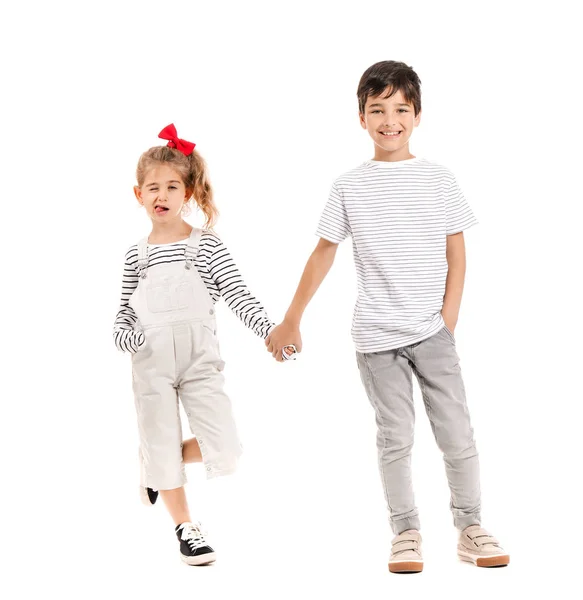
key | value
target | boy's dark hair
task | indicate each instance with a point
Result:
(393, 75)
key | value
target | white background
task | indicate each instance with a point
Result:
(268, 93)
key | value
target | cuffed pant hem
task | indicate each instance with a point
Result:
(400, 525)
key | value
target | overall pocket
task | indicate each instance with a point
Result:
(212, 341)
(169, 295)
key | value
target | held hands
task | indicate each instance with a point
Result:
(285, 334)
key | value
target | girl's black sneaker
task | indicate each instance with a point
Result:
(194, 548)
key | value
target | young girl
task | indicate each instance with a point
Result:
(171, 282)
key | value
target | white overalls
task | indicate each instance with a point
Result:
(179, 359)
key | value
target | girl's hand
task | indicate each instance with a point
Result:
(283, 335)
(289, 352)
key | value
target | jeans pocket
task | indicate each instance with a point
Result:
(449, 333)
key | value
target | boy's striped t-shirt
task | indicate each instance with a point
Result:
(399, 215)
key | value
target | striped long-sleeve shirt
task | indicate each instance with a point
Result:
(218, 272)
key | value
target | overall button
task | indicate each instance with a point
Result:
(211, 312)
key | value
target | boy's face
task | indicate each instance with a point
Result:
(390, 123)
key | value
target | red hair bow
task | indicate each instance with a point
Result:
(169, 133)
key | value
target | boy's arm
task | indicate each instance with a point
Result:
(454, 285)
(316, 269)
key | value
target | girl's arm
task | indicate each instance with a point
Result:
(239, 299)
(124, 335)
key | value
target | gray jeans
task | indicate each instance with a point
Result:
(388, 382)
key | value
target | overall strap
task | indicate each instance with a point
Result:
(142, 267)
(191, 249)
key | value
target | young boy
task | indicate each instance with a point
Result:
(406, 216)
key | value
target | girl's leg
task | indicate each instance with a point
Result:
(191, 451)
(175, 501)
(194, 549)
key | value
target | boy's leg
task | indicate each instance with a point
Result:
(436, 366)
(388, 382)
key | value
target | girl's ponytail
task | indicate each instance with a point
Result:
(201, 189)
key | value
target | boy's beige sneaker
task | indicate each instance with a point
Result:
(406, 553)
(476, 545)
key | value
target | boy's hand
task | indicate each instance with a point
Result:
(283, 335)
(450, 321)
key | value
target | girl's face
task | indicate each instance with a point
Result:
(163, 194)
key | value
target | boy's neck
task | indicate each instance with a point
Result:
(168, 233)
(392, 155)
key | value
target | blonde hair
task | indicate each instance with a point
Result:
(194, 173)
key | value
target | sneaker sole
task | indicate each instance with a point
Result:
(500, 560)
(406, 567)
(203, 559)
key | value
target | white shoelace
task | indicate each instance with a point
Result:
(193, 535)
